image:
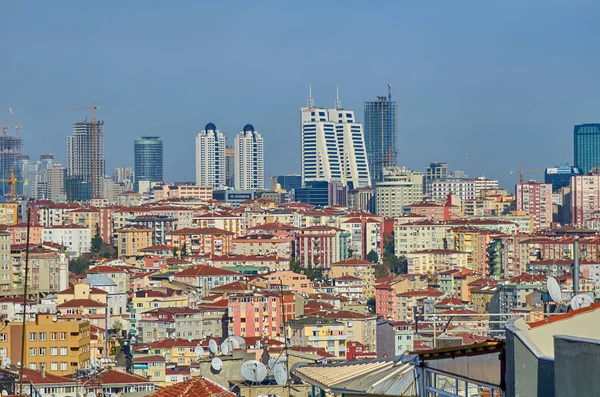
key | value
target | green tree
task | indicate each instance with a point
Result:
(79, 265)
(373, 257)
(294, 266)
(174, 252)
(381, 271)
(388, 243)
(371, 304)
(96, 244)
(184, 251)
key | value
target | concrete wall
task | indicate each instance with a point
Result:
(576, 366)
(385, 343)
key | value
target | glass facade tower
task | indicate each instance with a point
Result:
(381, 135)
(587, 146)
(148, 153)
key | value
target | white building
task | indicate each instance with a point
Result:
(400, 187)
(77, 239)
(465, 189)
(210, 157)
(249, 163)
(333, 146)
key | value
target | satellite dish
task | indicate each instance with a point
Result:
(55, 319)
(225, 348)
(199, 351)
(212, 346)
(280, 373)
(4, 393)
(190, 340)
(254, 371)
(216, 364)
(240, 341)
(581, 300)
(272, 362)
(90, 394)
(554, 290)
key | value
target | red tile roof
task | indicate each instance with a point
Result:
(196, 386)
(81, 303)
(112, 377)
(35, 377)
(564, 316)
(205, 271)
(93, 290)
(353, 262)
(149, 359)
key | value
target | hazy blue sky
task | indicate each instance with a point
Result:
(483, 85)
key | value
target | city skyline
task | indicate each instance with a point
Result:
(469, 83)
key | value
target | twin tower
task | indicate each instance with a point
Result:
(219, 166)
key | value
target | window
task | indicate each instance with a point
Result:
(42, 336)
(54, 351)
(53, 335)
(63, 336)
(64, 366)
(32, 337)
(32, 352)
(63, 351)
(2, 337)
(156, 374)
(54, 366)
(42, 351)
(33, 366)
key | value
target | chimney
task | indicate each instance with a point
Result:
(43, 370)
(576, 266)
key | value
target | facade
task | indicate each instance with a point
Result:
(560, 177)
(323, 333)
(535, 199)
(54, 181)
(585, 198)
(210, 157)
(465, 189)
(230, 166)
(320, 246)
(436, 171)
(333, 147)
(249, 170)
(381, 134)
(85, 160)
(62, 347)
(77, 239)
(361, 269)
(289, 182)
(209, 240)
(435, 261)
(256, 314)
(148, 157)
(586, 144)
(131, 239)
(399, 188)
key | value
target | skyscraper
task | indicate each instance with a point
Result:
(333, 147)
(381, 134)
(249, 160)
(230, 166)
(148, 166)
(85, 160)
(210, 157)
(587, 146)
(436, 171)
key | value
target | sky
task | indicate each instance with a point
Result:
(484, 86)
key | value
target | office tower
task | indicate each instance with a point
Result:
(560, 176)
(436, 171)
(210, 157)
(351, 144)
(29, 171)
(85, 160)
(230, 166)
(148, 161)
(46, 162)
(249, 160)
(535, 198)
(399, 188)
(381, 134)
(55, 183)
(333, 147)
(586, 146)
(322, 193)
(289, 182)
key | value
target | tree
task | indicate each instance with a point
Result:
(118, 327)
(183, 252)
(174, 252)
(381, 271)
(373, 257)
(294, 266)
(79, 265)
(371, 304)
(96, 244)
(388, 243)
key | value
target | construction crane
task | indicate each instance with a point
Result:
(95, 181)
(12, 183)
(273, 181)
(521, 171)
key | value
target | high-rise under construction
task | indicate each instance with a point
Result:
(10, 167)
(85, 161)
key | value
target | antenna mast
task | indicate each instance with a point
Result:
(338, 103)
(389, 86)
(311, 101)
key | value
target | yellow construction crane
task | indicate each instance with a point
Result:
(12, 183)
(521, 171)
(95, 181)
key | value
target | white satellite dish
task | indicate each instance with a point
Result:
(216, 364)
(240, 341)
(254, 371)
(212, 346)
(90, 394)
(4, 393)
(581, 300)
(54, 319)
(226, 348)
(272, 362)
(280, 373)
(554, 290)
(199, 351)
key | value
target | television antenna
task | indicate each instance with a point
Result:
(254, 371)
(216, 364)
(280, 373)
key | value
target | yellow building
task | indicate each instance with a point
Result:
(87, 217)
(131, 239)
(146, 300)
(362, 269)
(151, 367)
(63, 347)
(8, 275)
(435, 261)
(9, 213)
(323, 333)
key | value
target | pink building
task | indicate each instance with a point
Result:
(386, 304)
(318, 246)
(535, 198)
(585, 198)
(255, 314)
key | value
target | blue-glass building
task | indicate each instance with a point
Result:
(586, 146)
(560, 177)
(148, 153)
(381, 135)
(290, 182)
